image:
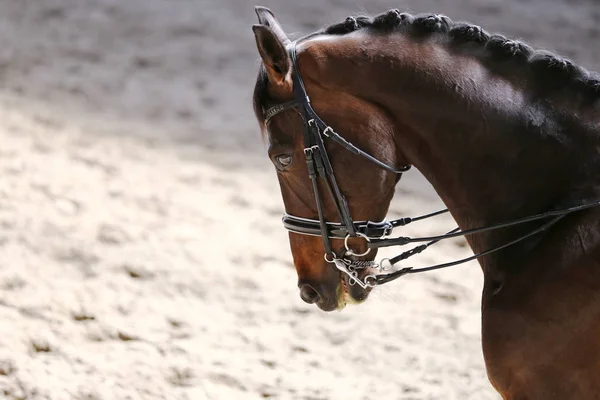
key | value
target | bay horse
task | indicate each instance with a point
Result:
(508, 136)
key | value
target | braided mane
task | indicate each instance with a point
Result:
(550, 71)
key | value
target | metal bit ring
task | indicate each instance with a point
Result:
(385, 265)
(333, 258)
(350, 252)
(370, 281)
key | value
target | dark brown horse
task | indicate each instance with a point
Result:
(501, 131)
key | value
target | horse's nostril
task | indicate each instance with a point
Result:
(308, 294)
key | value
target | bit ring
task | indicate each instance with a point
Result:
(370, 281)
(386, 265)
(350, 252)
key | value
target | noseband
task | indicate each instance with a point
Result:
(376, 234)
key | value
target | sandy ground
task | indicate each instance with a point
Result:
(141, 252)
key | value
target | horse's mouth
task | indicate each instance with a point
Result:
(343, 290)
(349, 292)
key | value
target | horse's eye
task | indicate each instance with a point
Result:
(284, 160)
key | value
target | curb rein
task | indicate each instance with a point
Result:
(374, 233)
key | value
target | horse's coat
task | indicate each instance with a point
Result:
(501, 131)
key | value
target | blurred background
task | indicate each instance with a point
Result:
(141, 250)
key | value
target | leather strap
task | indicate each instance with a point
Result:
(312, 227)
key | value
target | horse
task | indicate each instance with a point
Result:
(509, 138)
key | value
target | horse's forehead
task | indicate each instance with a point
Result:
(284, 129)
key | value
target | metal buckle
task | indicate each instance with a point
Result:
(309, 151)
(387, 231)
(373, 229)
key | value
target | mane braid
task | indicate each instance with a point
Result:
(550, 72)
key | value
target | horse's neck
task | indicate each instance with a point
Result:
(491, 152)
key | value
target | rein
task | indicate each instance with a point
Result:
(376, 234)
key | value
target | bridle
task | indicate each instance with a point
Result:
(376, 234)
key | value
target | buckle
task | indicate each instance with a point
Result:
(377, 229)
(388, 230)
(310, 151)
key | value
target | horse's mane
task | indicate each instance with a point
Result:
(551, 72)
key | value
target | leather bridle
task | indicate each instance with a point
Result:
(376, 234)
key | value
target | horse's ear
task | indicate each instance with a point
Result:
(271, 43)
(267, 18)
